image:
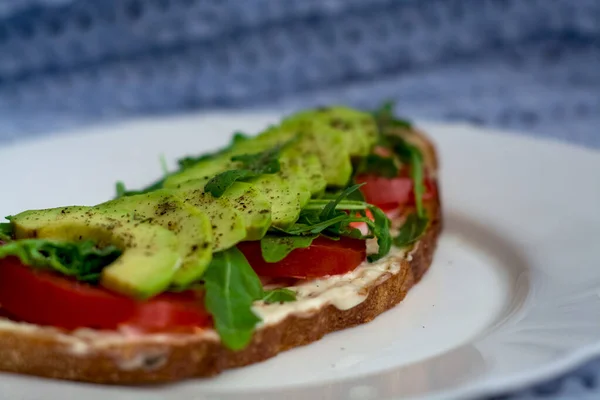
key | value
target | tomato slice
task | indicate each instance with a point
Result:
(171, 312)
(45, 298)
(391, 193)
(322, 258)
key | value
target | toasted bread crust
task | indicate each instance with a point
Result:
(45, 352)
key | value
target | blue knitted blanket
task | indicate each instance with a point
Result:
(528, 65)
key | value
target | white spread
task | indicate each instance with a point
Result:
(341, 291)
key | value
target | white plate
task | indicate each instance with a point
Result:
(513, 295)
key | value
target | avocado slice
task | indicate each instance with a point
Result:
(192, 227)
(227, 222)
(327, 144)
(151, 254)
(206, 170)
(301, 170)
(254, 206)
(284, 199)
(304, 170)
(359, 129)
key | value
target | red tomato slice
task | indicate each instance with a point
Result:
(45, 298)
(322, 258)
(392, 193)
(378, 190)
(171, 312)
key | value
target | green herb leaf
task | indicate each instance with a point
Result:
(329, 210)
(311, 228)
(282, 295)
(376, 164)
(319, 204)
(417, 175)
(232, 286)
(190, 161)
(251, 166)
(121, 191)
(381, 230)
(81, 260)
(333, 218)
(276, 248)
(163, 165)
(412, 155)
(223, 181)
(6, 231)
(412, 229)
(384, 115)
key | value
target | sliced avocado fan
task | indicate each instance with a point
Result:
(151, 254)
(250, 202)
(191, 226)
(359, 128)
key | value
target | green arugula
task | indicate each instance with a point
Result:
(5, 232)
(333, 218)
(276, 248)
(190, 161)
(412, 229)
(387, 123)
(376, 164)
(412, 155)
(281, 295)
(231, 287)
(250, 166)
(384, 116)
(122, 191)
(81, 260)
(417, 175)
(380, 227)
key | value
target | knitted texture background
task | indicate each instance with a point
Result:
(527, 65)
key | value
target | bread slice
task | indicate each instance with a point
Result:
(126, 358)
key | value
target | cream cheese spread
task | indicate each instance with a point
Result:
(341, 291)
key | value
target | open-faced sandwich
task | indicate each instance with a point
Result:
(317, 224)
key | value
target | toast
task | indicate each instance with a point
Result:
(122, 357)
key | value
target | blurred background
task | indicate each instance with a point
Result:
(527, 65)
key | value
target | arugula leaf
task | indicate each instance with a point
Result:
(333, 218)
(232, 286)
(251, 166)
(311, 228)
(122, 191)
(276, 248)
(412, 229)
(319, 204)
(223, 181)
(381, 230)
(320, 215)
(330, 208)
(282, 295)
(81, 260)
(190, 161)
(5, 232)
(384, 116)
(411, 154)
(417, 175)
(376, 164)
